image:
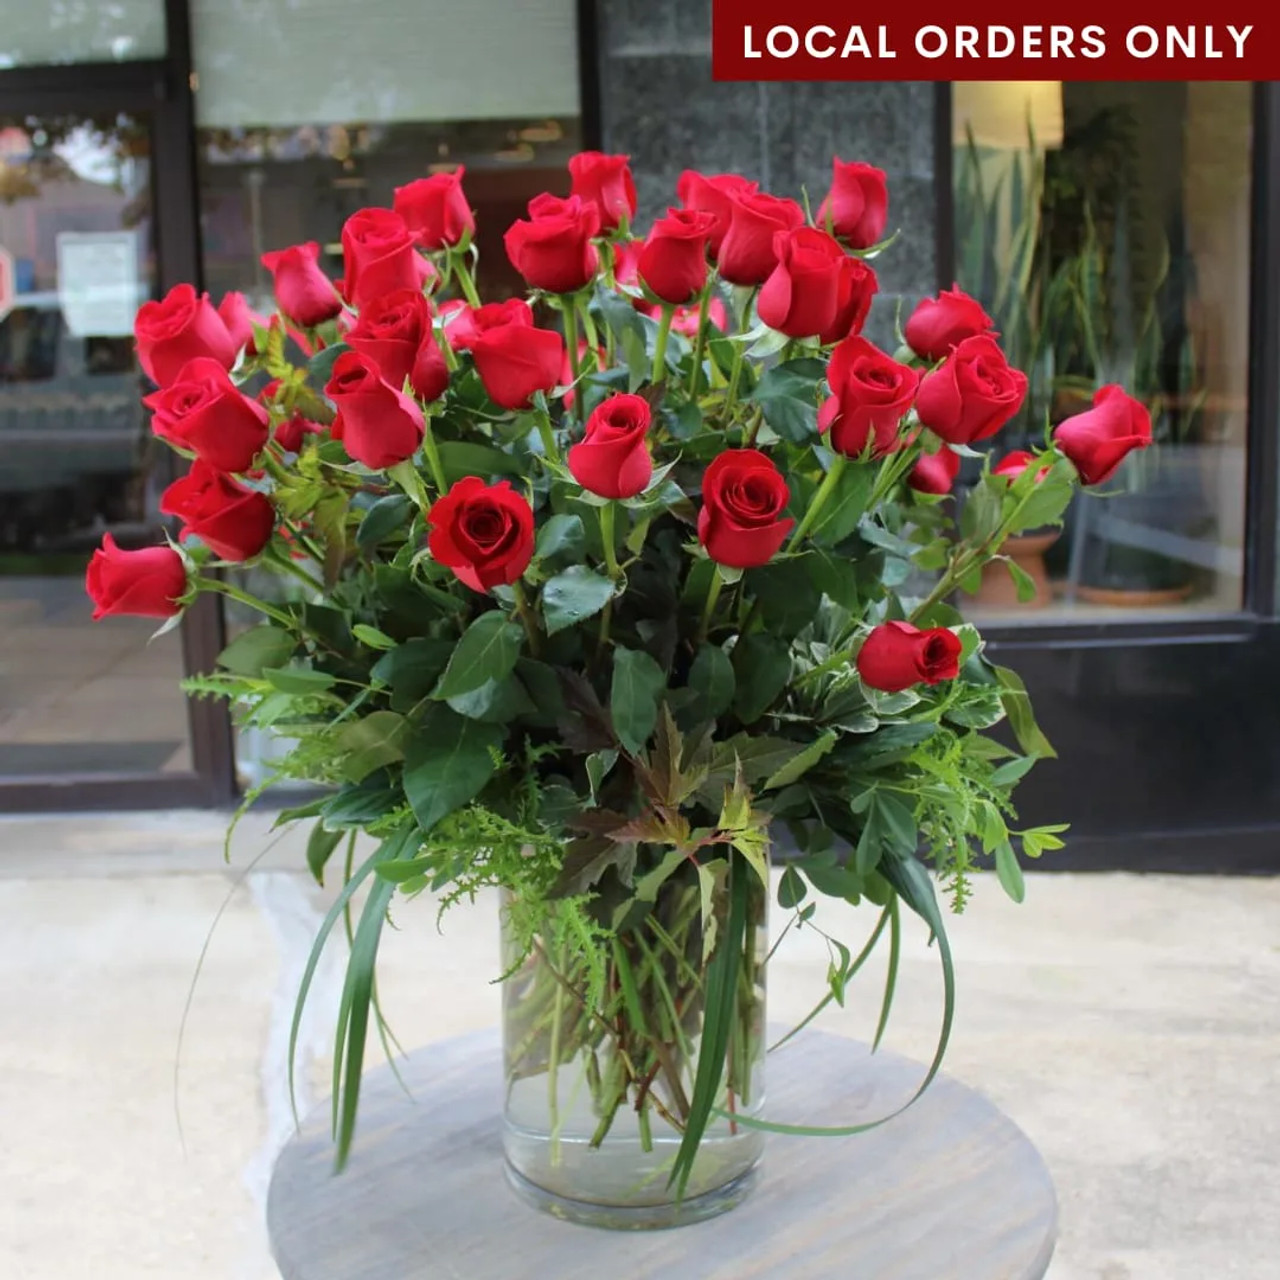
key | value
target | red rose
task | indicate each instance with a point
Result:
(613, 458)
(514, 359)
(202, 410)
(396, 333)
(435, 210)
(239, 317)
(972, 394)
(870, 395)
(1012, 465)
(938, 324)
(553, 249)
(673, 261)
(897, 655)
(626, 267)
(1099, 439)
(747, 254)
(606, 183)
(857, 204)
(290, 433)
(713, 194)
(305, 294)
(381, 426)
(459, 324)
(484, 533)
(858, 285)
(144, 584)
(685, 320)
(379, 257)
(801, 296)
(235, 523)
(935, 472)
(743, 497)
(182, 326)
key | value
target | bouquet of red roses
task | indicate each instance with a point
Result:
(598, 594)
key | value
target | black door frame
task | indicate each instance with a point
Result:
(160, 88)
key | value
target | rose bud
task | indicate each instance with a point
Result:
(972, 394)
(1012, 465)
(897, 655)
(858, 285)
(673, 261)
(747, 255)
(379, 256)
(234, 522)
(857, 204)
(240, 319)
(396, 333)
(713, 194)
(935, 472)
(741, 524)
(870, 395)
(604, 182)
(181, 326)
(552, 249)
(381, 426)
(626, 267)
(514, 359)
(802, 293)
(290, 433)
(484, 533)
(435, 210)
(938, 324)
(1098, 440)
(305, 294)
(144, 584)
(685, 320)
(203, 411)
(613, 458)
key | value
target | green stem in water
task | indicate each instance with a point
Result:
(825, 490)
(660, 345)
(708, 609)
(553, 1071)
(700, 339)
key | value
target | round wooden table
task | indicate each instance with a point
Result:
(950, 1190)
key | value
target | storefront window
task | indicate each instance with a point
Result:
(52, 32)
(1106, 229)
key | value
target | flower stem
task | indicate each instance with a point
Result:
(458, 260)
(527, 619)
(660, 345)
(825, 490)
(287, 563)
(607, 538)
(709, 608)
(700, 338)
(589, 328)
(547, 434)
(243, 597)
(432, 455)
(735, 373)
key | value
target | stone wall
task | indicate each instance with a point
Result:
(659, 104)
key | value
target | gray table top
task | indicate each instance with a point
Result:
(950, 1190)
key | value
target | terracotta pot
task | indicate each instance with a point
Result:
(997, 590)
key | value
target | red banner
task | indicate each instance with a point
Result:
(1010, 40)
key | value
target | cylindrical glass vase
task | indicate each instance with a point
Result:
(602, 1036)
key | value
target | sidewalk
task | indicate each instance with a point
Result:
(1130, 1025)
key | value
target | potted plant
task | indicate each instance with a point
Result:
(595, 605)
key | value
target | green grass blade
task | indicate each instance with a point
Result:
(891, 976)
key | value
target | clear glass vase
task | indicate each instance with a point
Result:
(601, 1040)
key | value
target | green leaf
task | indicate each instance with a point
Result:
(1017, 706)
(598, 765)
(802, 761)
(371, 636)
(320, 366)
(762, 667)
(495, 701)
(1010, 772)
(252, 651)
(392, 514)
(1024, 584)
(411, 670)
(460, 458)
(487, 651)
(298, 680)
(633, 699)
(788, 600)
(788, 395)
(983, 509)
(371, 742)
(574, 594)
(792, 890)
(1009, 873)
(360, 805)
(562, 537)
(711, 680)
(320, 846)
(897, 820)
(447, 763)
(847, 505)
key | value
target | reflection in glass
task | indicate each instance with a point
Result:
(52, 32)
(76, 454)
(1108, 237)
